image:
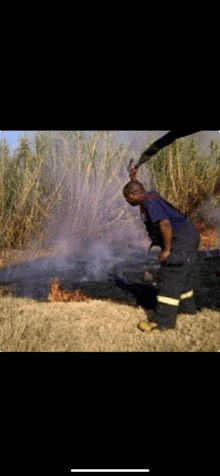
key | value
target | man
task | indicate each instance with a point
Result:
(178, 239)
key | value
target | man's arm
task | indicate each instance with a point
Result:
(166, 231)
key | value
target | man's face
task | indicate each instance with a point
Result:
(133, 199)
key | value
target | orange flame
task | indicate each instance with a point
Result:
(57, 294)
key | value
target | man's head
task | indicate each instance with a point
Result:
(134, 193)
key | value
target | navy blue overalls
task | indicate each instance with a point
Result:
(175, 279)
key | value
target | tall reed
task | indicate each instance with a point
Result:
(185, 177)
(76, 183)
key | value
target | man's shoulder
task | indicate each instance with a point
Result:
(152, 196)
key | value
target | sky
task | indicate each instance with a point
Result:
(137, 139)
(13, 136)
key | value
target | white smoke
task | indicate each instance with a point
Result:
(101, 259)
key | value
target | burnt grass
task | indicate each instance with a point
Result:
(127, 286)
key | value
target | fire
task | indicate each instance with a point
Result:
(57, 294)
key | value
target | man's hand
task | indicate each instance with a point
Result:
(163, 255)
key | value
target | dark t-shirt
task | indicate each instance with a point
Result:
(156, 211)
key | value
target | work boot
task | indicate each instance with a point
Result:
(150, 327)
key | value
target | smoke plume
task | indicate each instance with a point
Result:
(92, 230)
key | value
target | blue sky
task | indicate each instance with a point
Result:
(13, 136)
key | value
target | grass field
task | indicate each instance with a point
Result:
(98, 326)
(109, 323)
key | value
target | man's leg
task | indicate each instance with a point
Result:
(171, 281)
(187, 301)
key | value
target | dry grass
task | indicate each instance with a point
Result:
(98, 326)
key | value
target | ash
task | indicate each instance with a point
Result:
(123, 275)
(95, 268)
